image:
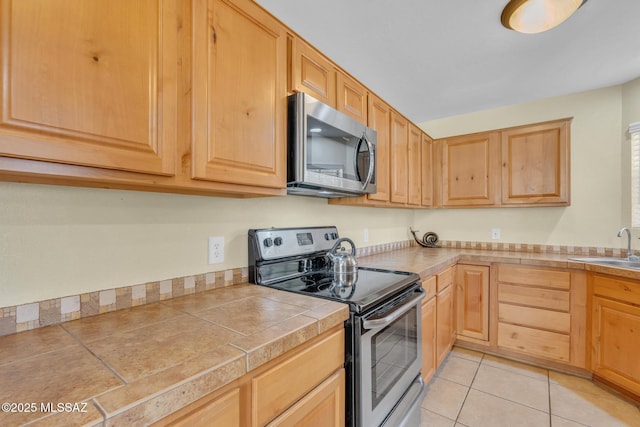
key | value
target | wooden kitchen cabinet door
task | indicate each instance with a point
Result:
(615, 332)
(223, 411)
(470, 170)
(379, 120)
(472, 287)
(444, 331)
(239, 94)
(429, 338)
(535, 164)
(351, 98)
(90, 83)
(414, 196)
(324, 406)
(445, 326)
(312, 73)
(426, 172)
(399, 160)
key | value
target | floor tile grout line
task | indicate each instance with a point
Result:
(506, 399)
(468, 390)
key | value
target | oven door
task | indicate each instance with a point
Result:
(391, 356)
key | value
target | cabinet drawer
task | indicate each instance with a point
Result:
(535, 318)
(324, 406)
(430, 288)
(526, 275)
(611, 287)
(534, 297)
(535, 342)
(444, 279)
(278, 388)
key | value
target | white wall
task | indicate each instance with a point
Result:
(59, 241)
(594, 216)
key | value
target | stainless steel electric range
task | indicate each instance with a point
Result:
(383, 332)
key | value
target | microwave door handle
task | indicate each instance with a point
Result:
(372, 160)
(355, 159)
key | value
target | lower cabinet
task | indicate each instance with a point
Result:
(541, 313)
(305, 387)
(445, 329)
(429, 330)
(615, 331)
(472, 302)
(217, 412)
(324, 406)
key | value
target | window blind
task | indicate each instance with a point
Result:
(634, 131)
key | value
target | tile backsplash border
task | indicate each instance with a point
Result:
(58, 310)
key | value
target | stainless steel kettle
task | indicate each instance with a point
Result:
(343, 262)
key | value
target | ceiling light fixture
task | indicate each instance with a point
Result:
(536, 16)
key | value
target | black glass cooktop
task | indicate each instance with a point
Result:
(371, 287)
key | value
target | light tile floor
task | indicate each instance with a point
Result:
(479, 390)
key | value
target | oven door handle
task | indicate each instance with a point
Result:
(394, 315)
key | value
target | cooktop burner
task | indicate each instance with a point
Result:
(371, 286)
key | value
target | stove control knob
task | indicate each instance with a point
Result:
(334, 236)
(277, 241)
(268, 242)
(327, 236)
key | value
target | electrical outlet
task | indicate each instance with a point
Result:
(216, 250)
(365, 235)
(495, 233)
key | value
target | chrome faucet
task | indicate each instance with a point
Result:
(623, 229)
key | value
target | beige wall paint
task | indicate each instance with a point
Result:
(59, 241)
(630, 114)
(594, 216)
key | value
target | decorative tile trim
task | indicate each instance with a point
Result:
(50, 312)
(536, 248)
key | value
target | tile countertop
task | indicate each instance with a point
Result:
(140, 364)
(429, 261)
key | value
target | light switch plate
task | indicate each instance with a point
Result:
(495, 233)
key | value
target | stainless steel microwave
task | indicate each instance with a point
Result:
(329, 153)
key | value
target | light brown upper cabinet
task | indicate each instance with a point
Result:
(380, 121)
(399, 162)
(351, 98)
(427, 171)
(519, 166)
(470, 170)
(90, 83)
(311, 72)
(414, 153)
(239, 94)
(535, 164)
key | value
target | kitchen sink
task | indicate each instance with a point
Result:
(612, 262)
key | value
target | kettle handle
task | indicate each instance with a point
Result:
(338, 242)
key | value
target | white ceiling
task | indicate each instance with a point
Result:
(439, 58)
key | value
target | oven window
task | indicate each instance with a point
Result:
(393, 350)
